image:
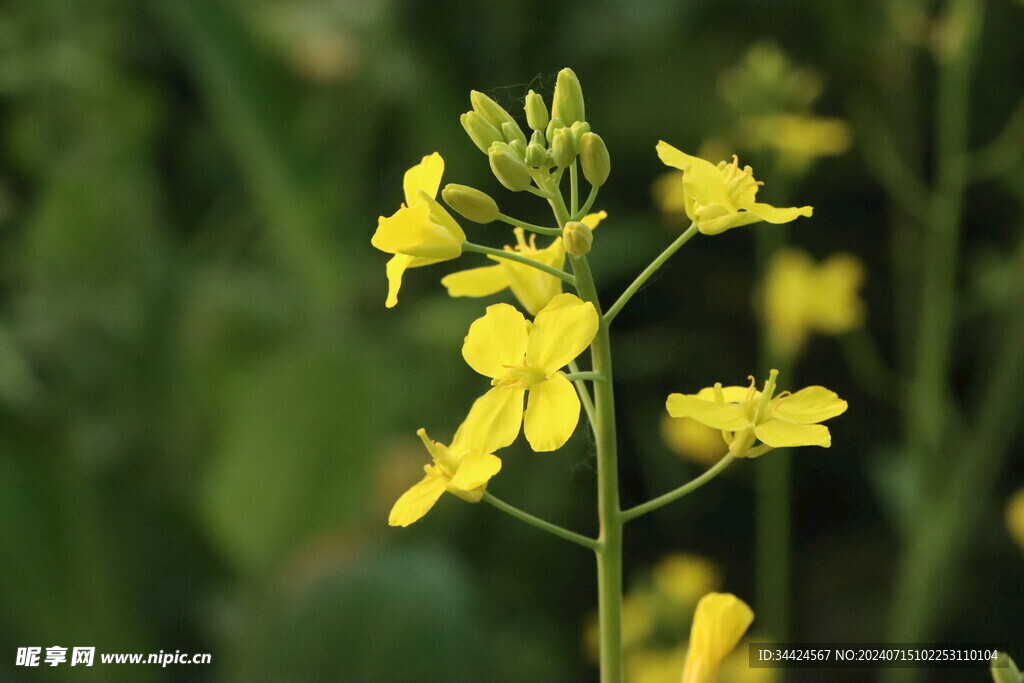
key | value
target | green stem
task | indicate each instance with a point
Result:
(609, 556)
(581, 388)
(648, 272)
(687, 488)
(539, 229)
(591, 198)
(588, 374)
(561, 532)
(512, 256)
(574, 188)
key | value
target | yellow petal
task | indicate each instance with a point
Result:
(810, 405)
(493, 421)
(475, 470)
(719, 622)
(417, 501)
(592, 220)
(496, 340)
(395, 269)
(670, 156)
(772, 214)
(533, 288)
(782, 434)
(728, 416)
(562, 331)
(729, 394)
(412, 231)
(476, 281)
(552, 412)
(423, 177)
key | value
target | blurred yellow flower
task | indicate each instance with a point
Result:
(798, 139)
(421, 232)
(520, 358)
(800, 297)
(654, 665)
(721, 197)
(720, 621)
(462, 469)
(692, 440)
(638, 623)
(745, 414)
(1015, 517)
(533, 288)
(682, 578)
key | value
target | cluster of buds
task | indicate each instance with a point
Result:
(556, 139)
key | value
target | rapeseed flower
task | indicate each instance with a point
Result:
(533, 288)
(462, 469)
(745, 414)
(721, 197)
(521, 357)
(800, 297)
(692, 440)
(720, 621)
(421, 232)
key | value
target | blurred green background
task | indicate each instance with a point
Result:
(207, 411)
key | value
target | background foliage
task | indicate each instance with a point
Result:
(206, 410)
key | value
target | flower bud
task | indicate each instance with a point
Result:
(511, 131)
(538, 138)
(594, 159)
(508, 168)
(563, 147)
(553, 125)
(519, 147)
(470, 202)
(578, 238)
(489, 109)
(579, 129)
(567, 103)
(536, 111)
(482, 133)
(536, 155)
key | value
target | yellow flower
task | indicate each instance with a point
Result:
(800, 297)
(532, 287)
(798, 138)
(692, 440)
(462, 469)
(724, 196)
(654, 665)
(720, 621)
(421, 232)
(745, 414)
(521, 357)
(1015, 517)
(682, 578)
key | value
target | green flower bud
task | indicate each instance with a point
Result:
(511, 132)
(489, 109)
(567, 104)
(578, 238)
(563, 147)
(553, 125)
(536, 155)
(594, 159)
(482, 133)
(538, 138)
(508, 168)
(470, 202)
(579, 129)
(1004, 670)
(536, 111)
(519, 147)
